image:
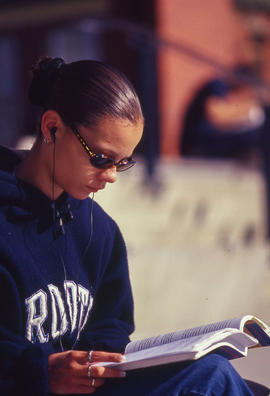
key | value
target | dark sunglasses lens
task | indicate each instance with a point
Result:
(125, 166)
(99, 161)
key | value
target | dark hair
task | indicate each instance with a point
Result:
(83, 91)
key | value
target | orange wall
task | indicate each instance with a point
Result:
(209, 26)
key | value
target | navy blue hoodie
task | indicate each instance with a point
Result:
(57, 292)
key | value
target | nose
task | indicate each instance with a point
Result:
(109, 175)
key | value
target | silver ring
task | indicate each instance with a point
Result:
(90, 356)
(93, 382)
(89, 371)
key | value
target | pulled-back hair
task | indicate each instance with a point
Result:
(83, 91)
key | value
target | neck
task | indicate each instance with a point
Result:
(37, 169)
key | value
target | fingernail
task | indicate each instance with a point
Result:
(121, 358)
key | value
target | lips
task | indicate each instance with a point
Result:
(95, 188)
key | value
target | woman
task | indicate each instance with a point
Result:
(63, 269)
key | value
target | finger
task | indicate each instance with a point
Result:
(81, 376)
(93, 382)
(77, 356)
(96, 356)
(83, 389)
(106, 372)
(100, 356)
(82, 371)
(97, 383)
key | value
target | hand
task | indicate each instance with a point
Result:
(68, 371)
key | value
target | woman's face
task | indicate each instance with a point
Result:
(74, 173)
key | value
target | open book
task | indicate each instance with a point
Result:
(230, 338)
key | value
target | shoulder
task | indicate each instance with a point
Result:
(101, 213)
(103, 220)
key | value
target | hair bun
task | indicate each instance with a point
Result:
(44, 75)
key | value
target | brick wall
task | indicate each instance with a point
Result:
(210, 27)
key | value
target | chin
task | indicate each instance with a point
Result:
(80, 195)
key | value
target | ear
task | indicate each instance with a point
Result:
(51, 121)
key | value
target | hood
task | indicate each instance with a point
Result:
(23, 202)
(10, 158)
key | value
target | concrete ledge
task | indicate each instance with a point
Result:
(197, 248)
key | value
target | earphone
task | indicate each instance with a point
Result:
(53, 132)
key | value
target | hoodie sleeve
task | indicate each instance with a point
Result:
(23, 365)
(111, 319)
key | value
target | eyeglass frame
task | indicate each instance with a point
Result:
(95, 156)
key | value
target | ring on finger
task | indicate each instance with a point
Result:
(89, 371)
(89, 355)
(93, 382)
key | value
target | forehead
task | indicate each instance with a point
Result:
(114, 136)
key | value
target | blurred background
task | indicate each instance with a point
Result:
(195, 211)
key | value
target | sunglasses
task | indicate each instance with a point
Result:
(102, 161)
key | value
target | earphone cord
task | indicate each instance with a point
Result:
(61, 256)
(81, 323)
(82, 260)
(53, 181)
(54, 225)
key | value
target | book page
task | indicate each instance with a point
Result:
(233, 346)
(197, 343)
(233, 340)
(182, 334)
